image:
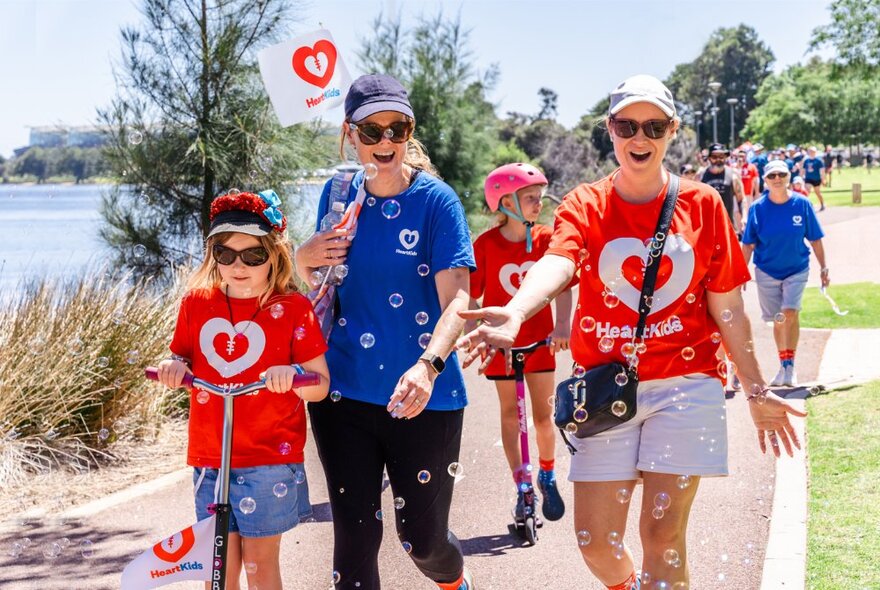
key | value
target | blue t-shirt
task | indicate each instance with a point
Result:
(813, 169)
(760, 161)
(778, 233)
(424, 233)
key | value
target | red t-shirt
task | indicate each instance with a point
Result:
(269, 428)
(606, 237)
(501, 267)
(749, 174)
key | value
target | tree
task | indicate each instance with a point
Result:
(454, 119)
(190, 122)
(854, 32)
(549, 100)
(33, 162)
(816, 103)
(734, 57)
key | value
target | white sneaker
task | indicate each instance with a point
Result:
(779, 380)
(790, 378)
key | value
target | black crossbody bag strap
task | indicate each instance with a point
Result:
(652, 264)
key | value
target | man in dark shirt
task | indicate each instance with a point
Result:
(726, 181)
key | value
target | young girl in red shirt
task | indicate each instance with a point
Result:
(242, 320)
(503, 255)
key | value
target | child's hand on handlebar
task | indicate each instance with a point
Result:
(559, 339)
(279, 379)
(171, 373)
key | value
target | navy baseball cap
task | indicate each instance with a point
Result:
(373, 94)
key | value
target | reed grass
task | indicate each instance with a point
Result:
(72, 355)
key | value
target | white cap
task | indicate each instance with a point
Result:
(775, 166)
(642, 88)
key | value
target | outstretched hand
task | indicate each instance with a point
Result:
(770, 415)
(498, 329)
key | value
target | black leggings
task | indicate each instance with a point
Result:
(356, 442)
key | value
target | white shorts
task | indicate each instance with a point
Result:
(680, 427)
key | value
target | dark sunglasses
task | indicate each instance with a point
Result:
(371, 133)
(774, 175)
(250, 256)
(626, 128)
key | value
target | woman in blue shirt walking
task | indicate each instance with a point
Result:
(778, 226)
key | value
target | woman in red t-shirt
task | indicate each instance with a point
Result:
(677, 434)
(504, 255)
(242, 320)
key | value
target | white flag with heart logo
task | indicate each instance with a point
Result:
(185, 555)
(304, 77)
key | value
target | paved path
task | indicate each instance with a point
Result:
(727, 538)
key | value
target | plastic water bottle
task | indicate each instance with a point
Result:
(333, 217)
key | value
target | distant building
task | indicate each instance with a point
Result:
(67, 136)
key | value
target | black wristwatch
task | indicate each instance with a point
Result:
(434, 361)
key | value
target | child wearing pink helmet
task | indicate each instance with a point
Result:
(504, 254)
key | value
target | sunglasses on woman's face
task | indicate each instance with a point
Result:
(775, 175)
(251, 256)
(626, 128)
(372, 133)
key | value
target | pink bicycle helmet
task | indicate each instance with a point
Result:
(507, 179)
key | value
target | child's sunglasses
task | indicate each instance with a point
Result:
(626, 128)
(371, 133)
(250, 256)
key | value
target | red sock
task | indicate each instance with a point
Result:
(451, 585)
(627, 584)
(547, 464)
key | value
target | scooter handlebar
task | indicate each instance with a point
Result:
(299, 380)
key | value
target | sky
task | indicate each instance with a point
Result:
(58, 55)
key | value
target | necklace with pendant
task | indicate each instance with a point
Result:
(230, 344)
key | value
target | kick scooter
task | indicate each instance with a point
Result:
(222, 508)
(526, 524)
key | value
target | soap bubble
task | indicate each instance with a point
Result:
(683, 481)
(623, 495)
(87, 548)
(279, 489)
(687, 353)
(240, 480)
(621, 379)
(247, 505)
(399, 503)
(276, 311)
(690, 298)
(422, 318)
(395, 300)
(284, 448)
(716, 337)
(662, 500)
(423, 270)
(606, 344)
(250, 568)
(779, 318)
(726, 315)
(367, 340)
(455, 469)
(424, 340)
(378, 515)
(203, 396)
(611, 300)
(300, 477)
(299, 333)
(391, 209)
(584, 538)
(135, 138)
(613, 538)
(588, 324)
(424, 476)
(670, 556)
(371, 201)
(407, 546)
(140, 251)
(658, 513)
(370, 171)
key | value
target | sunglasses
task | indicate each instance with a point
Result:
(775, 175)
(626, 128)
(371, 133)
(250, 256)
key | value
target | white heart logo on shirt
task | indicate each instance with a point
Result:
(615, 256)
(408, 239)
(797, 219)
(511, 270)
(256, 340)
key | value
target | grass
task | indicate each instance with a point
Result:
(862, 300)
(843, 447)
(840, 192)
(71, 371)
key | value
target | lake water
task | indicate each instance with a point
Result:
(52, 230)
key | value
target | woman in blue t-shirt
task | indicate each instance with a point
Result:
(778, 225)
(397, 390)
